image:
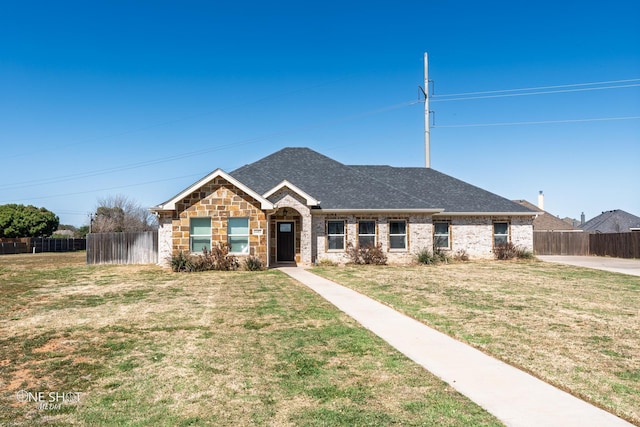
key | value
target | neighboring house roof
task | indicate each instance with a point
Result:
(615, 221)
(342, 187)
(546, 221)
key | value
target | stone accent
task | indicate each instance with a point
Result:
(300, 213)
(219, 200)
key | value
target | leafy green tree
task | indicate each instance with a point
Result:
(82, 231)
(26, 221)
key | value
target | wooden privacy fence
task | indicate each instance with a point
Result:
(560, 243)
(122, 248)
(40, 244)
(618, 245)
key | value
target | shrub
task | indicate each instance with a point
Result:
(326, 262)
(180, 261)
(525, 254)
(505, 251)
(461, 255)
(217, 258)
(368, 254)
(425, 256)
(441, 255)
(253, 263)
(509, 251)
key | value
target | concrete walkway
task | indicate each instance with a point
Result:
(513, 396)
(616, 265)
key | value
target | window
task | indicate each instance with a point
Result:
(238, 235)
(335, 235)
(441, 235)
(500, 233)
(366, 233)
(397, 235)
(199, 234)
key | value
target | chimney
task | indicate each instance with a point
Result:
(582, 219)
(541, 201)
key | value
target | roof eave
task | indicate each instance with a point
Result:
(532, 214)
(170, 205)
(372, 211)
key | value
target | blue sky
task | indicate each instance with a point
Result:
(143, 98)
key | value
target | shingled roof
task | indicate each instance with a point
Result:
(342, 187)
(615, 221)
(546, 221)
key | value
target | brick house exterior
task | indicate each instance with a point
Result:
(297, 205)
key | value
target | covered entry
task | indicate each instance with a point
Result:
(286, 241)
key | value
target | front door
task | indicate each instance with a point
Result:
(286, 242)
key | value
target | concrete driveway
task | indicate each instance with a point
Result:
(616, 265)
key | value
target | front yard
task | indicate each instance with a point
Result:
(138, 345)
(141, 346)
(576, 328)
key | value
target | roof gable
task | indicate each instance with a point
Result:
(170, 204)
(286, 184)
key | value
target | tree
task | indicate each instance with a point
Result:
(119, 213)
(26, 221)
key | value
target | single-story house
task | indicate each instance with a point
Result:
(615, 221)
(297, 205)
(546, 221)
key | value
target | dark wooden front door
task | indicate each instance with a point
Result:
(286, 241)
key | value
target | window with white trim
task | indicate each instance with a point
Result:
(397, 235)
(238, 235)
(500, 233)
(441, 235)
(366, 234)
(335, 235)
(199, 234)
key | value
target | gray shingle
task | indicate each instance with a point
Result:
(340, 186)
(615, 221)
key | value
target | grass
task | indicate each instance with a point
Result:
(576, 328)
(144, 346)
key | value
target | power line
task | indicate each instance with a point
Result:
(53, 196)
(601, 119)
(505, 95)
(186, 118)
(536, 88)
(165, 159)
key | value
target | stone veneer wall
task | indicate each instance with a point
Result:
(218, 200)
(300, 213)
